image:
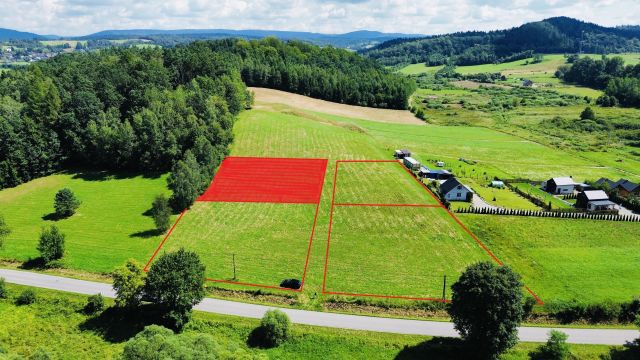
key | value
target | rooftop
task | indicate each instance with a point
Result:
(593, 195)
(565, 180)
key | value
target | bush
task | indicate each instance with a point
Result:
(603, 312)
(161, 213)
(26, 297)
(587, 114)
(3, 289)
(630, 311)
(128, 282)
(556, 348)
(527, 307)
(65, 203)
(274, 328)
(51, 245)
(95, 304)
(291, 283)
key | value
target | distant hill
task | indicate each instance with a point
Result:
(354, 40)
(8, 34)
(553, 35)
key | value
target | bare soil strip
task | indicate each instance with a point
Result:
(265, 96)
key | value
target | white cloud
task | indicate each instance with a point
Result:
(79, 17)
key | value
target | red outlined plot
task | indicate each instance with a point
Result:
(462, 226)
(275, 180)
(272, 180)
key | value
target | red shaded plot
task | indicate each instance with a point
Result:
(273, 180)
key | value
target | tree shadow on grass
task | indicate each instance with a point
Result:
(104, 175)
(53, 217)
(117, 325)
(631, 351)
(436, 349)
(256, 339)
(34, 264)
(147, 233)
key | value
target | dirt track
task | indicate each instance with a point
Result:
(269, 96)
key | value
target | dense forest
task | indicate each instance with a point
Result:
(554, 35)
(154, 109)
(621, 83)
(325, 73)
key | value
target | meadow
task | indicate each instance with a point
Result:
(574, 260)
(56, 324)
(397, 251)
(110, 226)
(269, 241)
(378, 183)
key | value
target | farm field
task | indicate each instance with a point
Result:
(269, 241)
(378, 183)
(397, 251)
(108, 228)
(582, 260)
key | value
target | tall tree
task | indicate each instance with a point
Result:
(486, 308)
(186, 182)
(161, 213)
(128, 282)
(176, 282)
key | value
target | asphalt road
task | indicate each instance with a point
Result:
(355, 322)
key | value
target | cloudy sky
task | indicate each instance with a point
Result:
(80, 17)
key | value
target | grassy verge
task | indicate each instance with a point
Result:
(56, 324)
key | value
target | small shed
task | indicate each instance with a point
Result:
(601, 205)
(440, 163)
(497, 184)
(411, 163)
(453, 190)
(401, 154)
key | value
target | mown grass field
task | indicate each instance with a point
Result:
(504, 197)
(108, 228)
(57, 325)
(582, 260)
(536, 191)
(378, 183)
(397, 251)
(270, 241)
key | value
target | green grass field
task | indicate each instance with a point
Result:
(270, 241)
(504, 197)
(379, 183)
(108, 228)
(583, 260)
(57, 325)
(397, 251)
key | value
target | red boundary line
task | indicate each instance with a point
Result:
(399, 205)
(304, 274)
(146, 267)
(473, 236)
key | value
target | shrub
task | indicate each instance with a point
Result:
(274, 328)
(527, 307)
(587, 114)
(95, 304)
(3, 289)
(128, 282)
(603, 312)
(629, 311)
(26, 297)
(65, 203)
(556, 348)
(51, 245)
(291, 283)
(161, 213)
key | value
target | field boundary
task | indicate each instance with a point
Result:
(306, 263)
(440, 205)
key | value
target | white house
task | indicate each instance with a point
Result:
(453, 190)
(560, 185)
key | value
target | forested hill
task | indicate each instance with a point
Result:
(554, 35)
(154, 109)
(325, 73)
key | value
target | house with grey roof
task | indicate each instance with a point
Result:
(560, 185)
(454, 190)
(594, 200)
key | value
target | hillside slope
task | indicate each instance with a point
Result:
(553, 35)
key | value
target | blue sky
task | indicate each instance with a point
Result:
(79, 17)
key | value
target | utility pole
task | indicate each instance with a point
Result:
(444, 288)
(234, 267)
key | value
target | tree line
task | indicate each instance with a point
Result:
(620, 83)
